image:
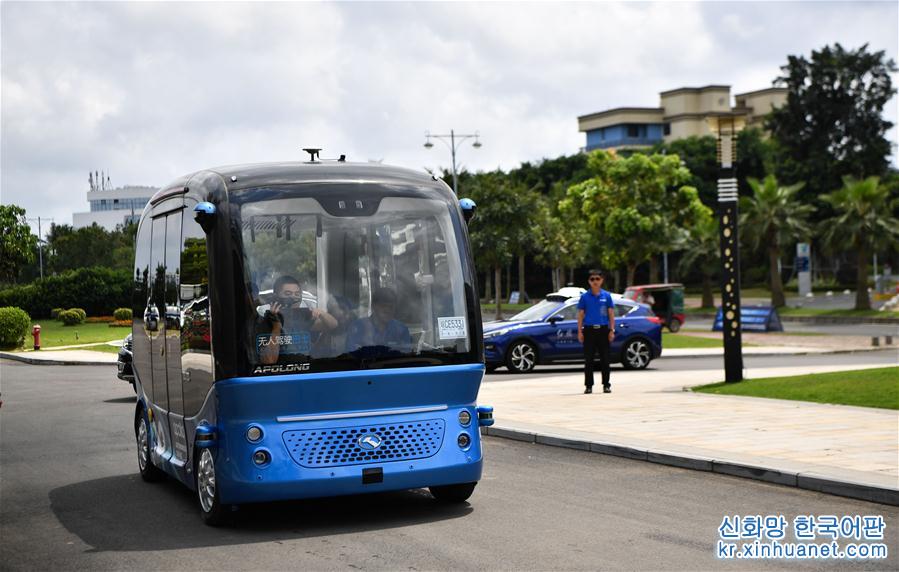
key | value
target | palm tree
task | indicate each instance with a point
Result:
(701, 248)
(771, 217)
(863, 222)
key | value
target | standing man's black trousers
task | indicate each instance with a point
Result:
(596, 339)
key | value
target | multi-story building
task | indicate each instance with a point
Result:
(112, 207)
(682, 112)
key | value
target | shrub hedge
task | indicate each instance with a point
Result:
(97, 290)
(14, 326)
(122, 314)
(71, 317)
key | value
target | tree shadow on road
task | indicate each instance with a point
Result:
(124, 513)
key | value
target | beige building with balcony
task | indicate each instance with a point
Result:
(683, 112)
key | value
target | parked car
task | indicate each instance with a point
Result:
(126, 373)
(547, 332)
(666, 301)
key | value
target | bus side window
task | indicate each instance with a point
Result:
(196, 357)
(139, 303)
(154, 315)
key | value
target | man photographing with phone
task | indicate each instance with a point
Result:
(596, 329)
(291, 322)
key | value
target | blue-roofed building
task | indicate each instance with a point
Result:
(683, 112)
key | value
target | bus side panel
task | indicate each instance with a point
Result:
(446, 390)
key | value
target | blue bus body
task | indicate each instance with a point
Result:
(241, 408)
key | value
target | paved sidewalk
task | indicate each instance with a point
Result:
(62, 357)
(650, 416)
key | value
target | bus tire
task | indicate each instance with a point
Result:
(213, 512)
(453, 494)
(148, 471)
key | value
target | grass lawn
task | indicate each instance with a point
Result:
(678, 341)
(487, 308)
(824, 312)
(54, 334)
(104, 348)
(810, 312)
(866, 388)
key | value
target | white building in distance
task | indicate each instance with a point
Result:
(110, 207)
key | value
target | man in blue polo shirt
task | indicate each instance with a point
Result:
(596, 329)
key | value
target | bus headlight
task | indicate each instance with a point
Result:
(464, 418)
(254, 434)
(464, 440)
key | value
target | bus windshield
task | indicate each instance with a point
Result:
(333, 292)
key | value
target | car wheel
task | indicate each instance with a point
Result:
(674, 325)
(522, 357)
(148, 471)
(453, 493)
(636, 354)
(214, 513)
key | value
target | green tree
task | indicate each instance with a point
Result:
(17, 244)
(771, 217)
(701, 249)
(863, 223)
(832, 124)
(755, 157)
(699, 156)
(561, 234)
(502, 224)
(635, 207)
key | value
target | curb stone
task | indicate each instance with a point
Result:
(808, 481)
(32, 361)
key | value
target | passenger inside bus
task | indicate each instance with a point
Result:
(292, 327)
(380, 330)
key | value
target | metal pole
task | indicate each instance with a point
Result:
(730, 257)
(665, 266)
(40, 248)
(453, 150)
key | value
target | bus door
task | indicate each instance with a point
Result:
(155, 318)
(173, 324)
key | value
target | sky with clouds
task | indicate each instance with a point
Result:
(150, 91)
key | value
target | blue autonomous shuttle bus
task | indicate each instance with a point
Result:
(304, 330)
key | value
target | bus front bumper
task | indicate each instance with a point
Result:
(282, 477)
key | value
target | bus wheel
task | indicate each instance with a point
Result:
(148, 471)
(453, 493)
(214, 513)
(674, 325)
(522, 357)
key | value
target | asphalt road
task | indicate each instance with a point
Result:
(70, 499)
(887, 357)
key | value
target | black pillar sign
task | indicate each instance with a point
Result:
(730, 274)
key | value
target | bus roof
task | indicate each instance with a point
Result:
(267, 174)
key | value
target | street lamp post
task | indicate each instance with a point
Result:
(725, 127)
(454, 142)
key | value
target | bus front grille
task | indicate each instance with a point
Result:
(341, 445)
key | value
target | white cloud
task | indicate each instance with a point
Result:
(150, 91)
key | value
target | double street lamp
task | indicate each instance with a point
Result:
(725, 126)
(453, 140)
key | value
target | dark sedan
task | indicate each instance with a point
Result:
(547, 332)
(126, 373)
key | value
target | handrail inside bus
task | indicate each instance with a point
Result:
(373, 413)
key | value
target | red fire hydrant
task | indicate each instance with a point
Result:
(36, 332)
